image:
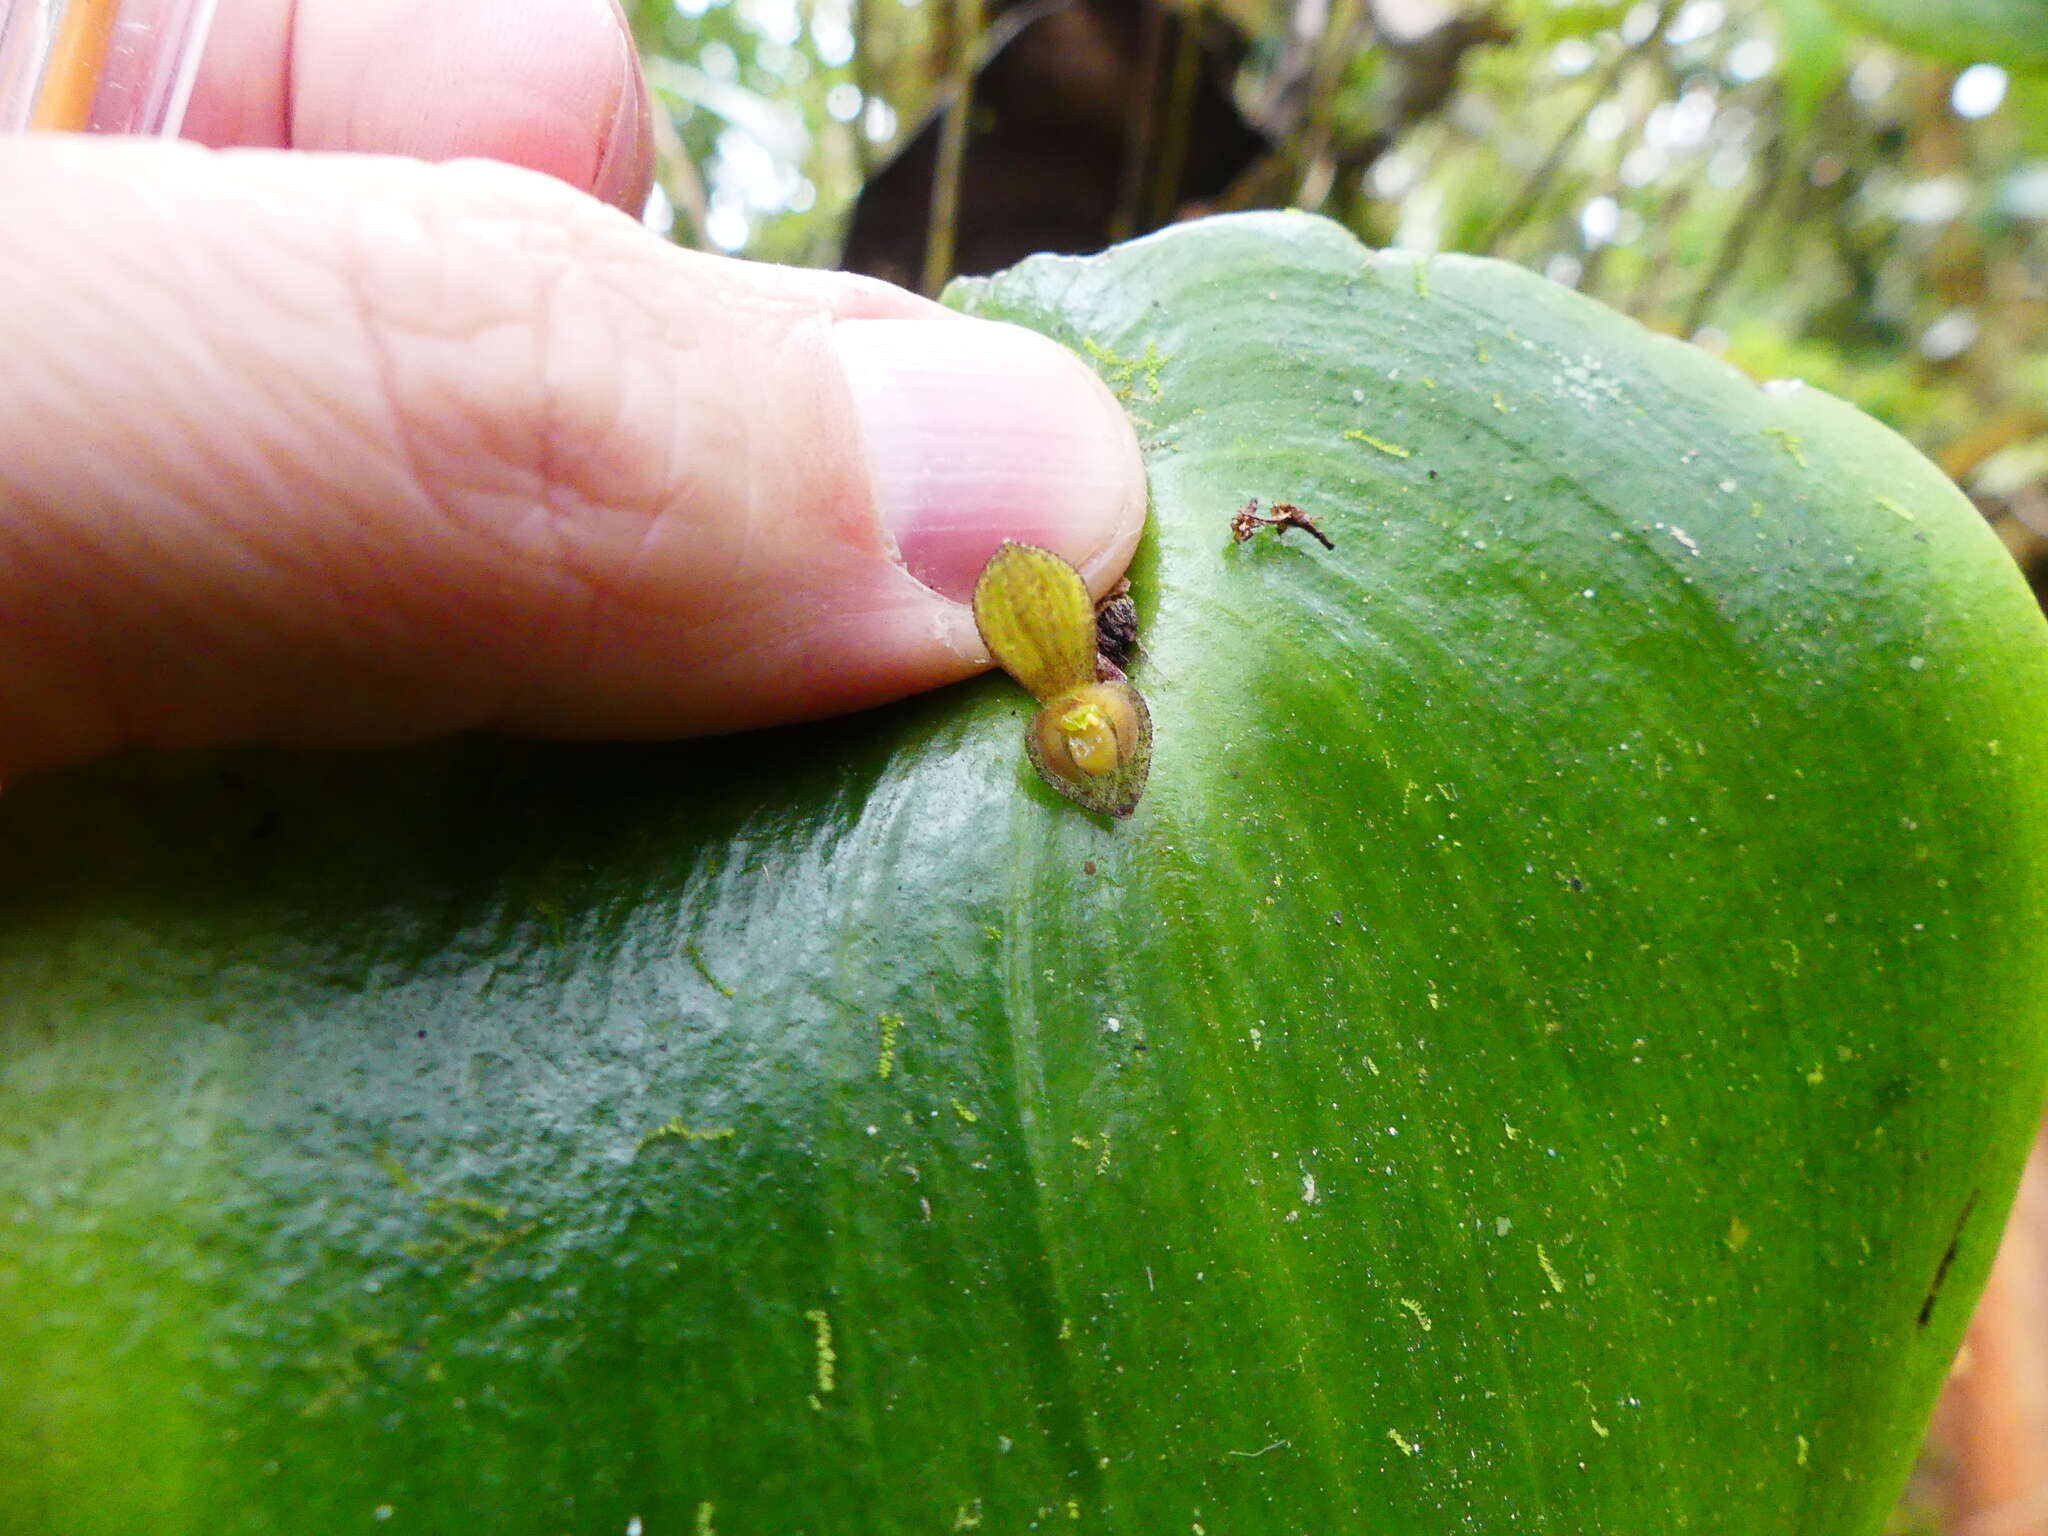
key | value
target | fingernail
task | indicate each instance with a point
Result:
(978, 432)
(626, 168)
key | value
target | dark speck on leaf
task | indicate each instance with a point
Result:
(1948, 1257)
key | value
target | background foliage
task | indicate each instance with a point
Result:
(1756, 174)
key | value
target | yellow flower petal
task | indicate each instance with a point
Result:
(1036, 619)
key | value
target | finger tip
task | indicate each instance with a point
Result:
(1124, 494)
(625, 170)
(976, 432)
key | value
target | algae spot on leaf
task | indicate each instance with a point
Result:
(1391, 450)
(1121, 374)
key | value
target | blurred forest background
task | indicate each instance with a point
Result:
(1768, 178)
(1759, 175)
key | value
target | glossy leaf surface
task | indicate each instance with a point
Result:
(1549, 1053)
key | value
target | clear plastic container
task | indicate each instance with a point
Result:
(99, 66)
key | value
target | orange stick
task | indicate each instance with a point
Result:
(71, 78)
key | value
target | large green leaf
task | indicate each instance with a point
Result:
(1549, 1054)
(2010, 32)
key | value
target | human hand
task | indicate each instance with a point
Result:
(324, 449)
